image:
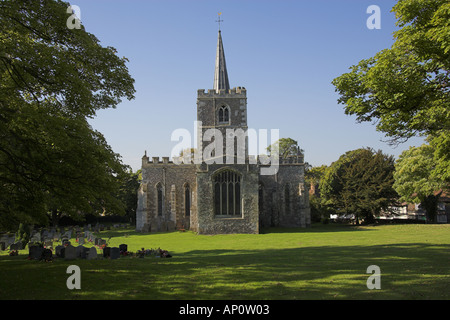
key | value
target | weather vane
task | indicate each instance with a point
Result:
(219, 21)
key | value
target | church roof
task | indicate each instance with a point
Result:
(220, 72)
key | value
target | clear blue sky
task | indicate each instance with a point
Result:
(285, 53)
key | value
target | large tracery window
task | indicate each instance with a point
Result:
(227, 193)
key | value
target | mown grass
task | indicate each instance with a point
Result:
(323, 262)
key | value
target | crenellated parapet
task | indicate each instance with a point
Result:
(251, 159)
(238, 92)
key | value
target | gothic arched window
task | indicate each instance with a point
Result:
(224, 114)
(227, 193)
(159, 199)
(287, 200)
(187, 200)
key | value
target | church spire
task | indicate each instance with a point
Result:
(220, 72)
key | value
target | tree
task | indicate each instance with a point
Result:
(320, 211)
(414, 181)
(128, 192)
(286, 147)
(52, 79)
(405, 89)
(360, 183)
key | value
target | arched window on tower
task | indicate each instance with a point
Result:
(224, 114)
(227, 193)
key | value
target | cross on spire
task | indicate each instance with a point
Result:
(219, 21)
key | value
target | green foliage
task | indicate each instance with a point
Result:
(128, 192)
(286, 147)
(52, 79)
(405, 89)
(414, 179)
(360, 183)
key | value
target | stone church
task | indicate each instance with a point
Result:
(223, 190)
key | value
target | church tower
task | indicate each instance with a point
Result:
(222, 117)
(227, 184)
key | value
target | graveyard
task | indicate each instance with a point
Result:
(323, 262)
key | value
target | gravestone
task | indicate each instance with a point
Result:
(81, 252)
(59, 252)
(70, 253)
(123, 248)
(2, 246)
(35, 252)
(16, 246)
(92, 253)
(46, 255)
(36, 237)
(106, 252)
(81, 241)
(114, 253)
(56, 236)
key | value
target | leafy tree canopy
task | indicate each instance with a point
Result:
(405, 89)
(286, 147)
(360, 183)
(52, 79)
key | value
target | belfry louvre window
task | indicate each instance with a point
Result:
(224, 114)
(227, 193)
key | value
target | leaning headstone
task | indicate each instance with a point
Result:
(92, 253)
(70, 253)
(114, 253)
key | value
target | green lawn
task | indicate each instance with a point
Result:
(323, 262)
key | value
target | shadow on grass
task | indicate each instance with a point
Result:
(408, 271)
(318, 227)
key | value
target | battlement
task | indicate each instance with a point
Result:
(251, 159)
(239, 92)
